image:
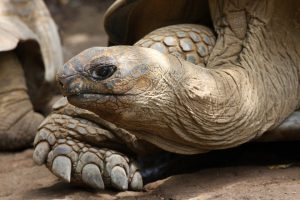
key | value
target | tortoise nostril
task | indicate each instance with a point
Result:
(60, 83)
(69, 85)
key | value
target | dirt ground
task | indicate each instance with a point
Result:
(240, 176)
(256, 171)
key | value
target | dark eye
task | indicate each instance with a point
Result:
(103, 72)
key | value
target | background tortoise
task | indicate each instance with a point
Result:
(151, 100)
(30, 53)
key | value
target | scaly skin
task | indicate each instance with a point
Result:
(190, 42)
(63, 140)
(69, 132)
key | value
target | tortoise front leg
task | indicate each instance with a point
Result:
(18, 121)
(80, 151)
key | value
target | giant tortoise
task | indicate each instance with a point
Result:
(188, 93)
(30, 54)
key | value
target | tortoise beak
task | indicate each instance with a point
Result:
(69, 85)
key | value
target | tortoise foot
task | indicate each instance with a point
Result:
(81, 163)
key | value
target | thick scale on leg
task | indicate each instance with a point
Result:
(187, 41)
(58, 144)
(115, 135)
(18, 121)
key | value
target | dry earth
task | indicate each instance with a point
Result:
(251, 172)
(20, 178)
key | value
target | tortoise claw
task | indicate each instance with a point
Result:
(41, 152)
(91, 176)
(119, 178)
(136, 182)
(61, 167)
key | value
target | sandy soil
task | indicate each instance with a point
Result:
(250, 172)
(20, 178)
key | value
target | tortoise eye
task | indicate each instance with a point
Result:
(103, 72)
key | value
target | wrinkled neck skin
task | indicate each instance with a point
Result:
(250, 85)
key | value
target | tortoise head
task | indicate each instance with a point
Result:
(114, 82)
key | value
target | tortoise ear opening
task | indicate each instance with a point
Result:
(128, 21)
(40, 91)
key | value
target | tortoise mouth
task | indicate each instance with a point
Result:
(101, 103)
(97, 97)
(93, 95)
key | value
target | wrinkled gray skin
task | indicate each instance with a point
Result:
(250, 85)
(251, 70)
